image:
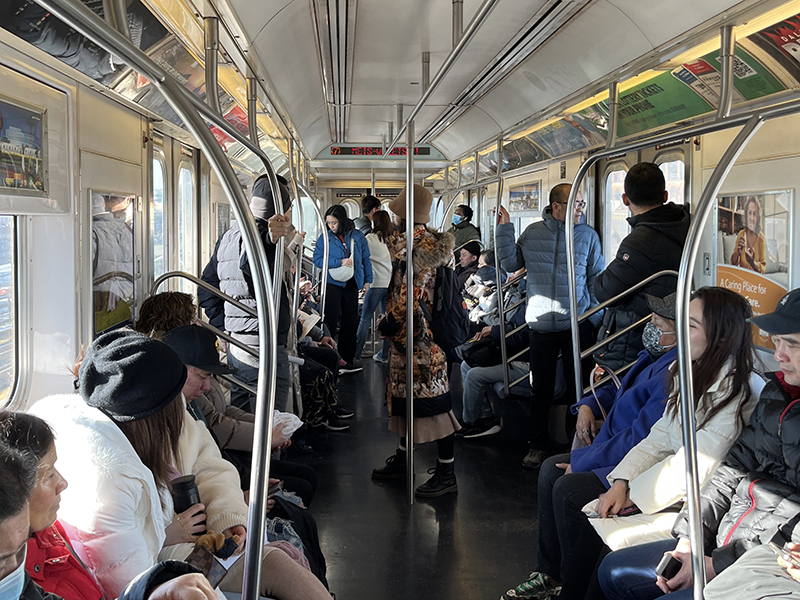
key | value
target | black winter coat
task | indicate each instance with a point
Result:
(754, 496)
(654, 244)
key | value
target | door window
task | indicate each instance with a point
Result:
(158, 239)
(186, 231)
(615, 213)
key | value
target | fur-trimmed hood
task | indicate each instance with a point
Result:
(431, 248)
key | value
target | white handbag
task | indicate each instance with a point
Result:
(343, 274)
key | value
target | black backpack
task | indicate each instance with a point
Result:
(449, 321)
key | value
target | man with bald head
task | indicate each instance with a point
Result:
(542, 250)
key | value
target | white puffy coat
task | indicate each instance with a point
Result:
(656, 467)
(112, 510)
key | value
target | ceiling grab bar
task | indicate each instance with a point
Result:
(410, 311)
(83, 20)
(688, 418)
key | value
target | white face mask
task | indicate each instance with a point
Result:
(11, 586)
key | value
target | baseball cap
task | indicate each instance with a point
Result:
(197, 347)
(785, 319)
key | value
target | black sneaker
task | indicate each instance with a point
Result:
(335, 424)
(483, 428)
(342, 413)
(350, 368)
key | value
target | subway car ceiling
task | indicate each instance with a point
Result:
(337, 77)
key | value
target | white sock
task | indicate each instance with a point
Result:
(447, 461)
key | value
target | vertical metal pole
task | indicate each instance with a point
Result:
(426, 71)
(458, 21)
(301, 222)
(323, 282)
(383, 141)
(116, 15)
(399, 116)
(501, 307)
(688, 420)
(391, 135)
(372, 181)
(410, 311)
(613, 104)
(252, 109)
(211, 30)
(727, 51)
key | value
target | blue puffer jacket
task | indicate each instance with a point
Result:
(632, 410)
(362, 265)
(542, 250)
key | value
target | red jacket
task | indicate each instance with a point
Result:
(51, 564)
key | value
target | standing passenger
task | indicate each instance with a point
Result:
(463, 230)
(229, 271)
(369, 206)
(348, 249)
(381, 273)
(433, 415)
(655, 243)
(542, 250)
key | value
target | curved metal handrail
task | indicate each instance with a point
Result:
(206, 286)
(628, 292)
(82, 19)
(113, 275)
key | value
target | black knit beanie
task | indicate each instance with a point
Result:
(130, 376)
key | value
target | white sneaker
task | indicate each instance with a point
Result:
(378, 358)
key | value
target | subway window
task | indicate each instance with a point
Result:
(616, 226)
(186, 233)
(157, 225)
(8, 312)
(674, 173)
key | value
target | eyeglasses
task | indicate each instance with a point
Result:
(578, 204)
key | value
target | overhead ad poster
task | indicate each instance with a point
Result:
(572, 133)
(21, 161)
(690, 90)
(753, 250)
(782, 43)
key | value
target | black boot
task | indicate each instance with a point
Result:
(442, 482)
(395, 467)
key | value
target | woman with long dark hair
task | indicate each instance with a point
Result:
(349, 270)
(382, 229)
(652, 475)
(121, 442)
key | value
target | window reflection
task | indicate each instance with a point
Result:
(616, 214)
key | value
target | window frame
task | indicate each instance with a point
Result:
(613, 167)
(188, 166)
(159, 157)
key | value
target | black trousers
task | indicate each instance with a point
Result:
(569, 548)
(325, 356)
(544, 352)
(341, 309)
(297, 478)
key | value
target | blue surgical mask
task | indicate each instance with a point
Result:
(457, 219)
(11, 586)
(651, 339)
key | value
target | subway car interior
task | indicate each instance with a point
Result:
(134, 133)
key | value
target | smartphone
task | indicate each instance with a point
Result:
(785, 554)
(629, 511)
(274, 488)
(668, 566)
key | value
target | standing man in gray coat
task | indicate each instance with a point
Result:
(542, 250)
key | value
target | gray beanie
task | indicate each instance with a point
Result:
(130, 376)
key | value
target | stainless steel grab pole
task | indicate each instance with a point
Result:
(688, 420)
(727, 51)
(474, 25)
(211, 39)
(501, 307)
(410, 312)
(90, 25)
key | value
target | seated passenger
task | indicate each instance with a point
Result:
(463, 231)
(171, 580)
(467, 262)
(231, 427)
(122, 440)
(196, 347)
(752, 499)
(477, 414)
(652, 473)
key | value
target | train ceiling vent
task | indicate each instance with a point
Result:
(546, 22)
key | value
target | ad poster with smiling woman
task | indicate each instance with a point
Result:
(753, 249)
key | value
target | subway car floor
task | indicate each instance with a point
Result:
(467, 546)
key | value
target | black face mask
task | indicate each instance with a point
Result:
(651, 338)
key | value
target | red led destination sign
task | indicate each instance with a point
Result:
(376, 151)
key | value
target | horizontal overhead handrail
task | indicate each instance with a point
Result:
(206, 286)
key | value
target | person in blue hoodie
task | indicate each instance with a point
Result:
(348, 248)
(568, 481)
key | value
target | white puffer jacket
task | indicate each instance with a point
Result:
(656, 467)
(381, 261)
(112, 510)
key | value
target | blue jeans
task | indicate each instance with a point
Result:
(477, 381)
(629, 574)
(372, 299)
